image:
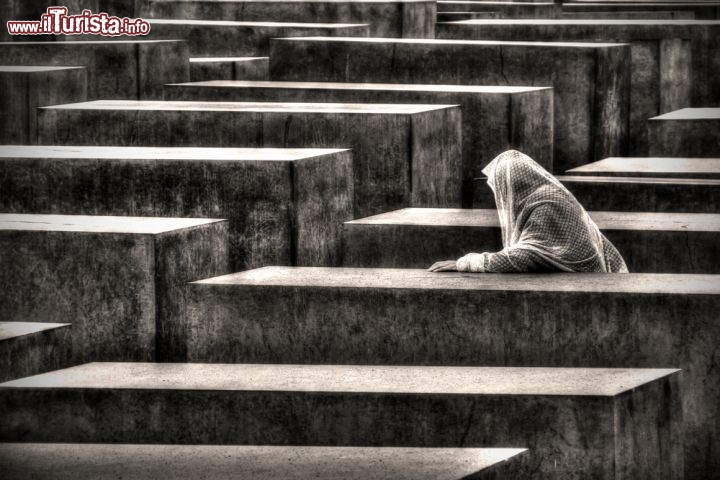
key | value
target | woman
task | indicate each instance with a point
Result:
(544, 227)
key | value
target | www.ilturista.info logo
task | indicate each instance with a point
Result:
(57, 22)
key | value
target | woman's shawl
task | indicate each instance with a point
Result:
(544, 228)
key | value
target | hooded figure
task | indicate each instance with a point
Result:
(544, 228)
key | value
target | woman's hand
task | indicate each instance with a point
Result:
(444, 266)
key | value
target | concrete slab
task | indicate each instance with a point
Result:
(590, 80)
(229, 68)
(343, 405)
(119, 280)
(622, 194)
(649, 15)
(664, 70)
(455, 16)
(403, 155)
(128, 69)
(218, 38)
(701, 10)
(647, 167)
(417, 237)
(689, 132)
(29, 348)
(387, 18)
(495, 119)
(221, 462)
(25, 88)
(414, 317)
(284, 206)
(504, 9)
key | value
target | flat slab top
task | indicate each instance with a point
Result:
(421, 279)
(689, 182)
(396, 87)
(426, 42)
(30, 69)
(651, 166)
(97, 224)
(230, 23)
(584, 22)
(640, 4)
(347, 378)
(164, 153)
(486, 218)
(264, 107)
(691, 114)
(10, 330)
(191, 462)
(477, 2)
(227, 59)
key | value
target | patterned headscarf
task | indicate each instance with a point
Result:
(544, 228)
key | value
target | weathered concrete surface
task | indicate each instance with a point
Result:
(622, 194)
(689, 132)
(225, 462)
(118, 280)
(661, 77)
(127, 69)
(455, 16)
(591, 80)
(592, 422)
(29, 348)
(25, 88)
(403, 155)
(649, 15)
(504, 9)
(701, 10)
(229, 68)
(648, 167)
(119, 8)
(284, 206)
(386, 18)
(494, 119)
(413, 317)
(418, 237)
(218, 38)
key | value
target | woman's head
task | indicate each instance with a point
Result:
(513, 176)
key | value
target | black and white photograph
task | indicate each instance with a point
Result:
(360, 239)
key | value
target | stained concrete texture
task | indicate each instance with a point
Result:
(403, 155)
(219, 462)
(622, 194)
(229, 68)
(512, 9)
(284, 206)
(672, 62)
(689, 132)
(418, 237)
(25, 88)
(218, 38)
(386, 18)
(591, 80)
(667, 167)
(647, 15)
(455, 16)
(122, 69)
(495, 119)
(118, 280)
(342, 405)
(29, 348)
(701, 10)
(414, 317)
